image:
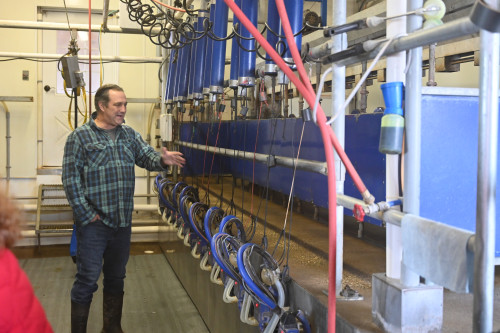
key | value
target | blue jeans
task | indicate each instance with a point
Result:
(100, 247)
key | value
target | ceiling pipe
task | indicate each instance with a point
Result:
(80, 57)
(64, 26)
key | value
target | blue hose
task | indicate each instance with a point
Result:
(237, 222)
(219, 261)
(174, 193)
(198, 232)
(249, 282)
(162, 197)
(206, 221)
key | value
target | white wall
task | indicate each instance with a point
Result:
(138, 80)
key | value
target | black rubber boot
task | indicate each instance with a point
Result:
(112, 313)
(79, 316)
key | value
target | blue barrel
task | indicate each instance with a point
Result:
(246, 72)
(235, 53)
(208, 56)
(219, 48)
(199, 67)
(273, 22)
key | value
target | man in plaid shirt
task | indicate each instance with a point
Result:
(99, 181)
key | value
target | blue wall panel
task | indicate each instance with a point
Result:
(281, 137)
(449, 161)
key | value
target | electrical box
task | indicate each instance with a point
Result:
(71, 72)
(166, 123)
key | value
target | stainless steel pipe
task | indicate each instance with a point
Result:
(484, 260)
(455, 29)
(306, 165)
(64, 26)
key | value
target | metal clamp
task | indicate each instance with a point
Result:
(246, 307)
(226, 296)
(194, 251)
(204, 264)
(215, 275)
(187, 238)
(179, 233)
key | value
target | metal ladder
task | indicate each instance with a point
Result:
(51, 198)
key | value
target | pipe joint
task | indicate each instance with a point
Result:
(367, 197)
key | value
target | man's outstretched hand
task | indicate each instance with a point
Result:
(172, 157)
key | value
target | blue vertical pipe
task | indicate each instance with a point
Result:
(208, 55)
(235, 52)
(199, 67)
(295, 11)
(219, 48)
(246, 73)
(184, 71)
(175, 76)
(191, 64)
(273, 22)
(169, 90)
(324, 12)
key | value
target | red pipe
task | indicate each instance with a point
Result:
(332, 196)
(332, 191)
(369, 199)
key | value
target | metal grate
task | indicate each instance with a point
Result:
(51, 198)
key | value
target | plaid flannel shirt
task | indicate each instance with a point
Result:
(99, 174)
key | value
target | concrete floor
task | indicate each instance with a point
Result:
(154, 298)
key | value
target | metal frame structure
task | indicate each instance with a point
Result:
(488, 146)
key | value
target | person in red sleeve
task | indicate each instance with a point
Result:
(20, 310)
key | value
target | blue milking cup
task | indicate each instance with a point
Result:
(393, 122)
